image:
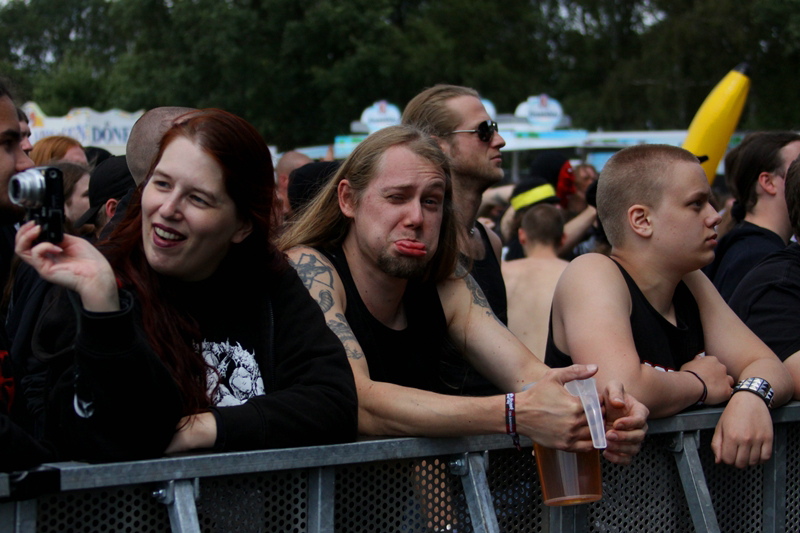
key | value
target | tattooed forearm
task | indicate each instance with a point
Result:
(311, 270)
(353, 352)
(342, 330)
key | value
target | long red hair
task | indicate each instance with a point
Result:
(247, 170)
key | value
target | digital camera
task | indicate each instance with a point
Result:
(40, 190)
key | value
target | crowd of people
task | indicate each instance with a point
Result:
(203, 300)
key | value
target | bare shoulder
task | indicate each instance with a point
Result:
(296, 253)
(591, 282)
(512, 268)
(590, 270)
(311, 264)
(318, 275)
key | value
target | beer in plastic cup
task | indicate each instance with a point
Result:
(569, 478)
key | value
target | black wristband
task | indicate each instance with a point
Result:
(758, 386)
(511, 420)
(702, 400)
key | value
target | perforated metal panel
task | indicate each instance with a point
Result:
(254, 503)
(407, 496)
(516, 492)
(422, 495)
(736, 493)
(125, 509)
(645, 496)
(792, 473)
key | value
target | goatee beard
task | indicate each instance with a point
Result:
(402, 267)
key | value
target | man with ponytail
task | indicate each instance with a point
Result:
(755, 172)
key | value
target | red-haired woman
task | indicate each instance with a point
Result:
(188, 286)
(58, 148)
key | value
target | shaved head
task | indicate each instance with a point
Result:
(145, 136)
(634, 175)
(290, 161)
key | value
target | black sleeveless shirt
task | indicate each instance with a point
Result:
(658, 343)
(488, 274)
(408, 357)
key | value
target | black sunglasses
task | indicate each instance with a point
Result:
(485, 130)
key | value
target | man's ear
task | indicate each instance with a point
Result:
(443, 144)
(767, 182)
(522, 236)
(639, 220)
(111, 207)
(347, 201)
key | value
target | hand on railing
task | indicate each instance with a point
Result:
(744, 433)
(714, 375)
(626, 423)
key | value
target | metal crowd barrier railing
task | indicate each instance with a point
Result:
(478, 484)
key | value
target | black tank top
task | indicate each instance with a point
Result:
(489, 276)
(658, 343)
(408, 357)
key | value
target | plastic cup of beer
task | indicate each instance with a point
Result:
(569, 478)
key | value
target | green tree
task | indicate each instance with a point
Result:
(51, 43)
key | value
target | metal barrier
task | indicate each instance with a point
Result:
(477, 484)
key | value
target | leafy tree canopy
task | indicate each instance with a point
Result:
(302, 70)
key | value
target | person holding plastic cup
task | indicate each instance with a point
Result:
(377, 249)
(649, 317)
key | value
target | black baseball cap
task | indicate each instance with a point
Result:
(110, 179)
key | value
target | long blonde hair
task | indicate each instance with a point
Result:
(321, 224)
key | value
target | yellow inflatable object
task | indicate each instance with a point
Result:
(715, 121)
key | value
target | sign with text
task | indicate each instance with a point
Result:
(109, 129)
(380, 115)
(543, 113)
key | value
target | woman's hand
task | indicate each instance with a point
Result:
(194, 432)
(74, 264)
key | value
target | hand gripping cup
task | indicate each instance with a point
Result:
(571, 478)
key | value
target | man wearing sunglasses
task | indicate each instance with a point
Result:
(456, 117)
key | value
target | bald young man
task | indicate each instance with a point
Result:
(649, 317)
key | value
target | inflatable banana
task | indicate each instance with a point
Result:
(715, 121)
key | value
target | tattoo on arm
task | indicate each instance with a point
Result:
(325, 301)
(342, 330)
(480, 299)
(311, 269)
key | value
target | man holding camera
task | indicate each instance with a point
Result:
(19, 450)
(12, 160)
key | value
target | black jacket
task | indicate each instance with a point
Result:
(97, 391)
